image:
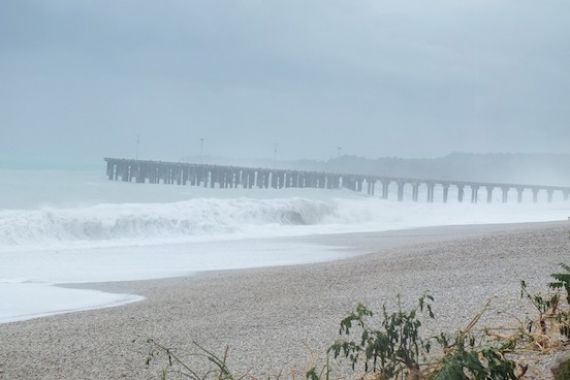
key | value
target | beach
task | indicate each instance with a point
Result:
(278, 318)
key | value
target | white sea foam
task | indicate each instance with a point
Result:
(125, 224)
(201, 219)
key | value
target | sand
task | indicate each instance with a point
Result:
(276, 318)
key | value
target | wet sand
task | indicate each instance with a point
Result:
(274, 318)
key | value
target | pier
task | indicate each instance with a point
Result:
(220, 176)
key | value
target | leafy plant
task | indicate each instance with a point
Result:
(562, 281)
(394, 348)
(465, 360)
(552, 314)
(546, 306)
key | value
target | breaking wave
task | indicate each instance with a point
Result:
(202, 219)
(140, 224)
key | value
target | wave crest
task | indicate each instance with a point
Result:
(141, 223)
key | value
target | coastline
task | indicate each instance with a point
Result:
(271, 316)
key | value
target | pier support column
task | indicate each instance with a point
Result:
(460, 192)
(229, 178)
(505, 194)
(295, 180)
(137, 173)
(141, 173)
(238, 178)
(110, 170)
(308, 181)
(474, 193)
(264, 180)
(273, 180)
(241, 179)
(311, 181)
(445, 192)
(286, 178)
(430, 192)
(153, 177)
(281, 178)
(335, 182)
(520, 191)
(550, 194)
(490, 190)
(250, 179)
(359, 185)
(124, 171)
(195, 177)
(385, 189)
(401, 191)
(415, 191)
(178, 175)
(535, 195)
(566, 195)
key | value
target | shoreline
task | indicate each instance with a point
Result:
(368, 243)
(319, 248)
(270, 315)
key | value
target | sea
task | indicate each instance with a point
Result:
(62, 227)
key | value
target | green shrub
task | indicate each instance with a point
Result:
(393, 348)
(396, 349)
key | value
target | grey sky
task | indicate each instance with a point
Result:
(79, 79)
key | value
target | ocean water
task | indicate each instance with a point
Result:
(61, 227)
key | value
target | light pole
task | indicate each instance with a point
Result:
(275, 148)
(137, 148)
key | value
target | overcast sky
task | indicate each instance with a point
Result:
(80, 79)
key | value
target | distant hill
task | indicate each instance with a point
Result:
(545, 169)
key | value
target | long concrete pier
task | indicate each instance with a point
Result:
(219, 176)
